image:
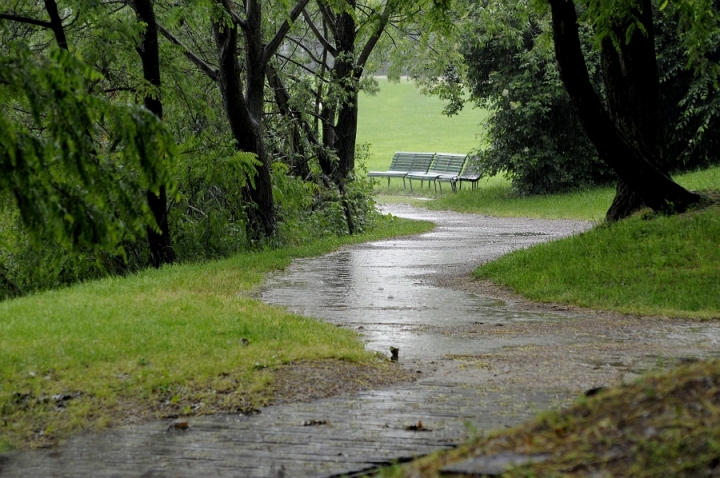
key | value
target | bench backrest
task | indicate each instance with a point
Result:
(446, 163)
(404, 161)
(472, 168)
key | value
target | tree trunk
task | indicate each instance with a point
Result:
(161, 250)
(632, 89)
(246, 127)
(635, 167)
(347, 74)
(56, 24)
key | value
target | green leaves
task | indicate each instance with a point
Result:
(77, 164)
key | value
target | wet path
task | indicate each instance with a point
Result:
(483, 363)
(385, 288)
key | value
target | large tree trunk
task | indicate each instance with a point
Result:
(636, 167)
(632, 89)
(246, 126)
(347, 74)
(161, 250)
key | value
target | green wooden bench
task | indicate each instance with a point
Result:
(445, 167)
(471, 174)
(403, 163)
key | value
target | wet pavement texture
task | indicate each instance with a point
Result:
(482, 363)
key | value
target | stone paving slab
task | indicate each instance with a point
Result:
(360, 433)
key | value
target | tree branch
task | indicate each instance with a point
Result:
(329, 17)
(239, 21)
(372, 41)
(209, 71)
(306, 50)
(31, 21)
(298, 64)
(274, 44)
(56, 23)
(320, 37)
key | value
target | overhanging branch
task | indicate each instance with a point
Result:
(209, 71)
(30, 21)
(274, 44)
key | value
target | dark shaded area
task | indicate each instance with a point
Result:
(635, 167)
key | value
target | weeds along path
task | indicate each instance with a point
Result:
(483, 360)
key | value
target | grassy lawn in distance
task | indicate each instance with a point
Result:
(400, 118)
(181, 340)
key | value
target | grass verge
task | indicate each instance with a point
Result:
(646, 265)
(494, 197)
(662, 425)
(181, 340)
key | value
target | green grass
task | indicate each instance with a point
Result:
(498, 200)
(158, 342)
(667, 266)
(400, 118)
(494, 197)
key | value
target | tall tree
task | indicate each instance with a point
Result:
(159, 240)
(158, 235)
(632, 90)
(244, 100)
(349, 53)
(635, 164)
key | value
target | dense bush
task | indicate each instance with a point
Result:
(533, 134)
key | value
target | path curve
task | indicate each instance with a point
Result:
(482, 361)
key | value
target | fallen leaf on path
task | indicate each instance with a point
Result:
(181, 426)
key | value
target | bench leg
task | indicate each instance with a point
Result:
(435, 184)
(440, 186)
(410, 184)
(388, 181)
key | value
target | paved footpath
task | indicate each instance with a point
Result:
(458, 342)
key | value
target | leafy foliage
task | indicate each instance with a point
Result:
(76, 164)
(534, 136)
(507, 64)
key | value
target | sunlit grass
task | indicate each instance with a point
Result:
(184, 339)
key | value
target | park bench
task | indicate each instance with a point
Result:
(471, 174)
(403, 163)
(445, 167)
